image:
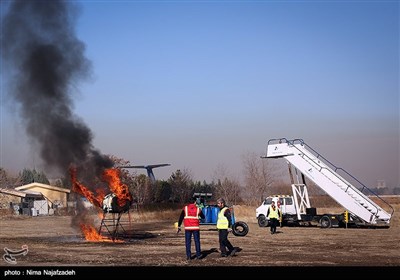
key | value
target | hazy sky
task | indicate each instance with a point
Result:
(198, 84)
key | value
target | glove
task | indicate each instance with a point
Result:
(179, 229)
(229, 230)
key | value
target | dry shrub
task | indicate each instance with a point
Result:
(6, 212)
(9, 214)
(156, 215)
(242, 213)
(245, 213)
(394, 201)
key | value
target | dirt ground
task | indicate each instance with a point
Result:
(53, 242)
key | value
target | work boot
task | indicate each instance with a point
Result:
(223, 255)
(233, 252)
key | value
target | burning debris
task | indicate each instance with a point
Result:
(45, 61)
(91, 234)
(118, 201)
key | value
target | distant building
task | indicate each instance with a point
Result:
(381, 184)
(10, 198)
(55, 196)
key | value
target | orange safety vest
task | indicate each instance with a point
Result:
(191, 219)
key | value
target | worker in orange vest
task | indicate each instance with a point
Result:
(190, 216)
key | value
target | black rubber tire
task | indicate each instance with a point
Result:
(325, 222)
(240, 229)
(262, 221)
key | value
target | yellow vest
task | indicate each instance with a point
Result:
(273, 213)
(222, 222)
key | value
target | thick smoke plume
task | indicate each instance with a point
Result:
(46, 60)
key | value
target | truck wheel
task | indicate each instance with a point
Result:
(325, 222)
(262, 221)
(240, 229)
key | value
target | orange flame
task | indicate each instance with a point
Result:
(83, 190)
(111, 176)
(91, 234)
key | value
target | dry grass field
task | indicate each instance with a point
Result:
(152, 241)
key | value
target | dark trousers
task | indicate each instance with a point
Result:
(273, 223)
(223, 241)
(188, 242)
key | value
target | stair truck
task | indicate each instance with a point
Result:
(210, 212)
(296, 211)
(363, 207)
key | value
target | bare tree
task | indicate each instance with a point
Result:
(258, 178)
(149, 191)
(126, 175)
(6, 181)
(226, 186)
(137, 187)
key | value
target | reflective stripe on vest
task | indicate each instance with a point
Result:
(222, 222)
(191, 219)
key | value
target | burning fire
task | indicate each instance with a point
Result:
(84, 191)
(111, 176)
(91, 234)
(121, 191)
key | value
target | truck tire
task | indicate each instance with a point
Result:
(325, 222)
(262, 221)
(240, 229)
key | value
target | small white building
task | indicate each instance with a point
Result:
(20, 202)
(55, 197)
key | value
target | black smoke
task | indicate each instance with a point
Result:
(46, 61)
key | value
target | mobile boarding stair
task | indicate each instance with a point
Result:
(326, 176)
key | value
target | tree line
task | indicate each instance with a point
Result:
(259, 179)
